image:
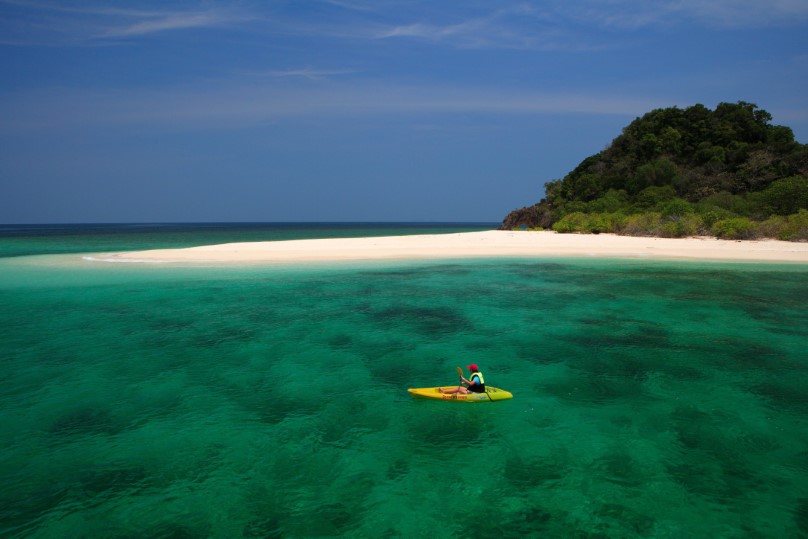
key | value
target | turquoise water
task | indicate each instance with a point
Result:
(652, 399)
(21, 240)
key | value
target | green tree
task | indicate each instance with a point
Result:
(612, 201)
(652, 197)
(784, 197)
(659, 172)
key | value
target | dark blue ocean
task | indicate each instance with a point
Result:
(651, 398)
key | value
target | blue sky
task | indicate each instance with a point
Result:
(356, 110)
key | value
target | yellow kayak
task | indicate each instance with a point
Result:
(491, 394)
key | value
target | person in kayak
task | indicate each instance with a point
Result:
(475, 383)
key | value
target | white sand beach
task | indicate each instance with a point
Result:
(493, 243)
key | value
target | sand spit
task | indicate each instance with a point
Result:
(493, 243)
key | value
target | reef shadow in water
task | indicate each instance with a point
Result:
(83, 421)
(433, 322)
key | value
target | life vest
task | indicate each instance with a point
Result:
(479, 387)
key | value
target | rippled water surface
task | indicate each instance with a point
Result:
(652, 399)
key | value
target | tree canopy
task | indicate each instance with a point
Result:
(676, 172)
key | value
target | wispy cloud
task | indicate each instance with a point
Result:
(550, 25)
(50, 23)
(309, 73)
(148, 23)
(744, 13)
(250, 105)
(467, 33)
(353, 5)
(562, 25)
(518, 27)
(633, 14)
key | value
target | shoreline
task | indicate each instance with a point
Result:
(487, 244)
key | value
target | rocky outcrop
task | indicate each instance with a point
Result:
(538, 215)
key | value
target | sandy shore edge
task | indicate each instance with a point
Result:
(493, 243)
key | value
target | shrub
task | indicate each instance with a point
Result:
(712, 214)
(727, 201)
(572, 222)
(590, 223)
(680, 227)
(736, 228)
(791, 228)
(598, 223)
(642, 224)
(797, 227)
(616, 222)
(676, 208)
(773, 227)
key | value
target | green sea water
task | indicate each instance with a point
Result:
(652, 398)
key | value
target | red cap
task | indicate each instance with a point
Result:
(473, 367)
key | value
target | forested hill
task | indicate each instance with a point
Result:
(680, 172)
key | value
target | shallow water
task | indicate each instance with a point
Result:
(22, 240)
(652, 399)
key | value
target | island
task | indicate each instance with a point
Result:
(726, 173)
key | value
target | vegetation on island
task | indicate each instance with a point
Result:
(684, 172)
